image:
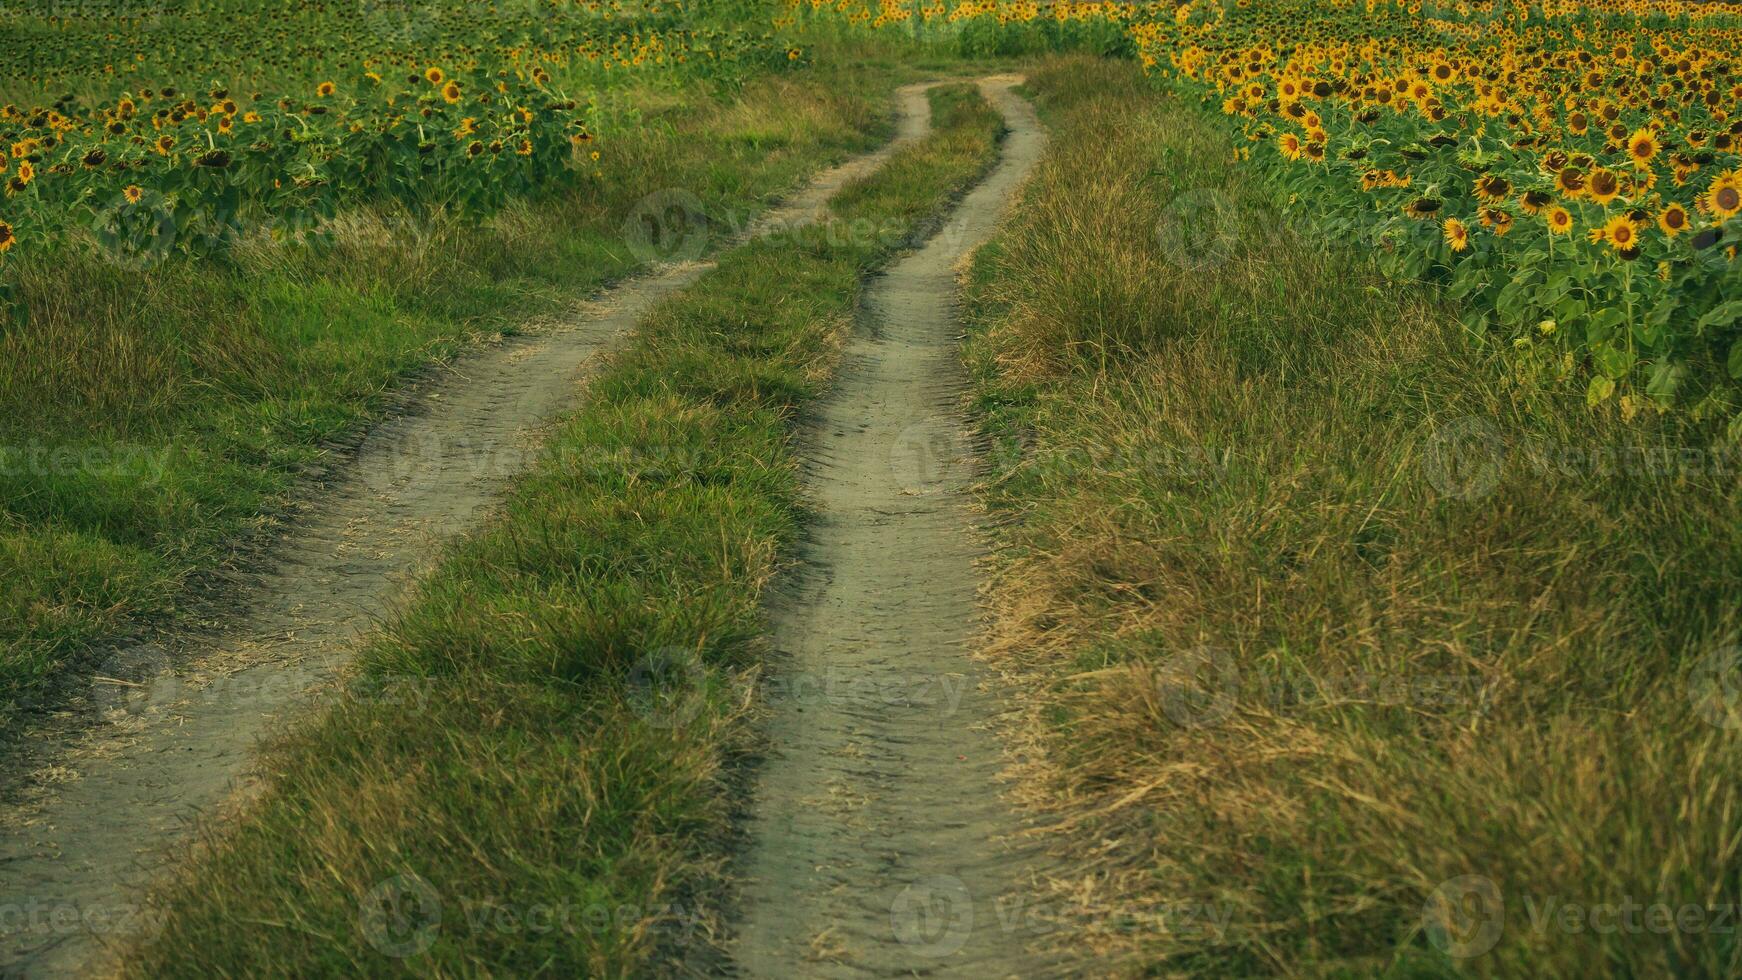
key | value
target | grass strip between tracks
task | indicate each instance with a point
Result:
(533, 771)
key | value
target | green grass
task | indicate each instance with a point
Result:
(154, 421)
(561, 783)
(1284, 663)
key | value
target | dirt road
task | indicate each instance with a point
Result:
(879, 835)
(111, 793)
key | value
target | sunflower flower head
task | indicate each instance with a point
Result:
(1457, 234)
(1642, 146)
(1673, 220)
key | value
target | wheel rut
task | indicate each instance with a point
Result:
(110, 796)
(880, 842)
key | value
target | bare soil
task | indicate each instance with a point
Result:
(881, 844)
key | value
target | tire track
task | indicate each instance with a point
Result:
(109, 799)
(880, 842)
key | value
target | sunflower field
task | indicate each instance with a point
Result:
(1568, 171)
(156, 128)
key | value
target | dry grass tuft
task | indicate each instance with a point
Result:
(1286, 682)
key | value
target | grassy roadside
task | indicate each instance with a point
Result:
(533, 775)
(152, 419)
(1390, 655)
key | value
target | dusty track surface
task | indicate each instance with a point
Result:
(111, 793)
(880, 842)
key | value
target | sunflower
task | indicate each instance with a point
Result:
(7, 237)
(1290, 146)
(451, 92)
(1570, 181)
(1560, 220)
(1641, 147)
(435, 76)
(1422, 207)
(132, 193)
(1532, 202)
(325, 89)
(165, 143)
(1457, 234)
(1724, 199)
(1497, 220)
(1493, 188)
(1621, 232)
(1603, 186)
(1673, 220)
(26, 172)
(525, 148)
(1315, 151)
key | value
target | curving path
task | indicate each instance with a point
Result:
(879, 838)
(107, 803)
